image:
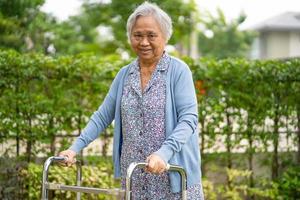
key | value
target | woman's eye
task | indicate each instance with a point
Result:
(138, 36)
(152, 36)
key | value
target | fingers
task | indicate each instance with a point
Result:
(69, 162)
(155, 164)
(69, 158)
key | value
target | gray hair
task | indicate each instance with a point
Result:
(150, 9)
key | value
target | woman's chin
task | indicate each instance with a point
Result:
(146, 56)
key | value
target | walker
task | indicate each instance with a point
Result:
(118, 193)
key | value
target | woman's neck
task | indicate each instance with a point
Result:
(148, 67)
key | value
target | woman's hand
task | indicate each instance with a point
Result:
(70, 157)
(155, 164)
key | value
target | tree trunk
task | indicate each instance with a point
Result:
(298, 134)
(52, 145)
(228, 141)
(29, 141)
(105, 143)
(202, 132)
(250, 151)
(18, 140)
(52, 135)
(17, 125)
(275, 164)
(228, 144)
(250, 159)
(28, 149)
(287, 133)
(79, 128)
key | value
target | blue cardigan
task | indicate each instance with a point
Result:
(181, 146)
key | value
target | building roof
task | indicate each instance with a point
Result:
(284, 22)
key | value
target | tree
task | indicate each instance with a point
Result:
(16, 19)
(114, 16)
(24, 27)
(80, 33)
(222, 39)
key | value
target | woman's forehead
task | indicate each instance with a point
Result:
(146, 20)
(145, 31)
(146, 24)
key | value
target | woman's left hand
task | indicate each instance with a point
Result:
(155, 164)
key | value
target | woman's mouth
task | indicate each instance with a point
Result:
(144, 51)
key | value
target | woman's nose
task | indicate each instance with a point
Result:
(144, 41)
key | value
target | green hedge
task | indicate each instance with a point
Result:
(20, 180)
(43, 98)
(236, 98)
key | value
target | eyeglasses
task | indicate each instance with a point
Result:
(140, 37)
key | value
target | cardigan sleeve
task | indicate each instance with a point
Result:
(186, 113)
(100, 119)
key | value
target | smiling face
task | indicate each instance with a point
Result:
(147, 39)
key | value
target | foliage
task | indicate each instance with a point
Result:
(79, 32)
(247, 101)
(12, 181)
(289, 184)
(23, 26)
(242, 92)
(222, 39)
(20, 180)
(239, 189)
(113, 16)
(43, 97)
(100, 27)
(98, 176)
(208, 190)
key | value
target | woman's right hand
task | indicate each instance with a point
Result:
(70, 157)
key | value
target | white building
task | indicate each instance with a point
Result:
(279, 37)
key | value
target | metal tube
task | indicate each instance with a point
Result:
(55, 186)
(51, 186)
(135, 165)
(78, 178)
(182, 173)
(48, 162)
(45, 174)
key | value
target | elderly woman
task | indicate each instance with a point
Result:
(153, 103)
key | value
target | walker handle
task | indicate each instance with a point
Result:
(47, 164)
(169, 167)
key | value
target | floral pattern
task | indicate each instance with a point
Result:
(143, 127)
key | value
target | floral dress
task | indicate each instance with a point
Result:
(143, 128)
